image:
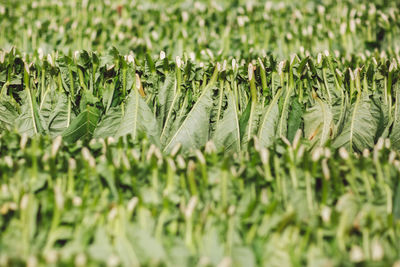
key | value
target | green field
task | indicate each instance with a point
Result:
(207, 133)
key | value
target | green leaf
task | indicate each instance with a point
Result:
(109, 124)
(138, 118)
(396, 202)
(28, 121)
(212, 248)
(193, 132)
(318, 123)
(101, 249)
(295, 118)
(47, 104)
(166, 95)
(251, 124)
(125, 251)
(61, 116)
(8, 114)
(359, 128)
(83, 126)
(148, 249)
(395, 133)
(283, 121)
(267, 129)
(243, 257)
(227, 132)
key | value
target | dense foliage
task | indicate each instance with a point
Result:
(342, 103)
(213, 29)
(205, 133)
(125, 202)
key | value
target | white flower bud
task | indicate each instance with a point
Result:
(250, 71)
(352, 25)
(24, 202)
(113, 261)
(210, 147)
(80, 260)
(393, 65)
(226, 262)
(59, 197)
(181, 162)
(138, 82)
(56, 145)
(32, 261)
(178, 61)
(131, 59)
(392, 156)
(185, 16)
(296, 138)
(200, 157)
(162, 55)
(281, 65)
(51, 256)
(264, 155)
(343, 28)
(132, 204)
(71, 164)
(176, 149)
(112, 214)
(321, 9)
(9, 161)
(325, 169)
(319, 58)
(77, 201)
(356, 254)
(317, 153)
(300, 151)
(326, 214)
(379, 144)
(190, 207)
(377, 251)
(343, 153)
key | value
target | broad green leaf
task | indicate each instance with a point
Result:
(138, 118)
(8, 114)
(101, 249)
(166, 95)
(359, 127)
(283, 121)
(395, 133)
(267, 129)
(396, 202)
(169, 124)
(61, 116)
(212, 247)
(243, 257)
(295, 118)
(125, 251)
(82, 126)
(193, 132)
(47, 104)
(29, 121)
(318, 123)
(227, 132)
(147, 248)
(251, 124)
(109, 124)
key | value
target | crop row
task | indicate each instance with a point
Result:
(208, 28)
(125, 202)
(333, 101)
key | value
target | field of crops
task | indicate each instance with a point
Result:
(207, 133)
